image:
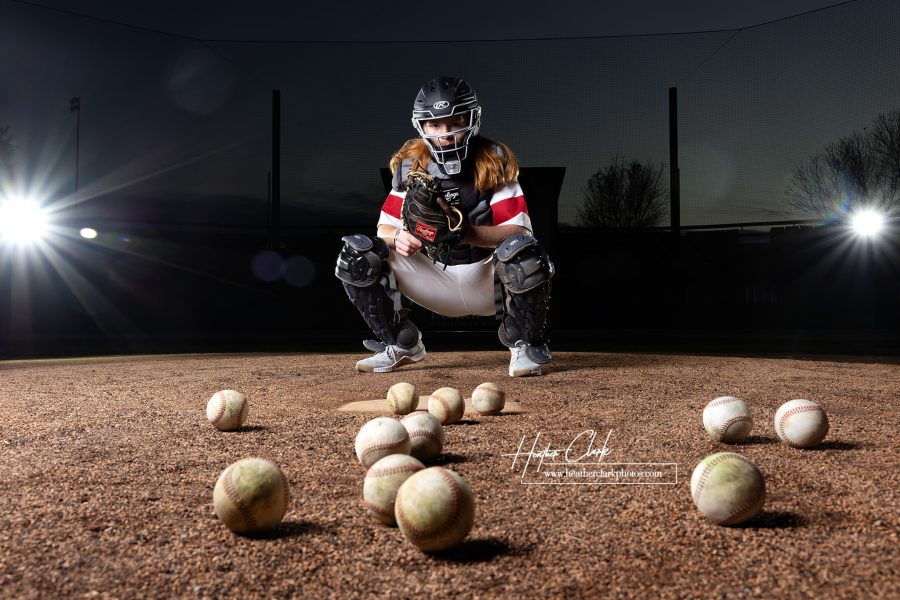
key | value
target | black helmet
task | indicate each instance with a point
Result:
(444, 97)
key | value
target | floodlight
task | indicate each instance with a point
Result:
(22, 221)
(867, 222)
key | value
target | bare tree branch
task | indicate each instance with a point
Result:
(862, 169)
(624, 195)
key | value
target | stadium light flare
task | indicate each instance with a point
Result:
(867, 223)
(88, 233)
(22, 221)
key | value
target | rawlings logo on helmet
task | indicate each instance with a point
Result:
(441, 104)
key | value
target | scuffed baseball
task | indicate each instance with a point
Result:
(402, 398)
(380, 437)
(488, 398)
(426, 435)
(727, 488)
(435, 509)
(447, 405)
(227, 410)
(727, 419)
(801, 423)
(251, 495)
(382, 481)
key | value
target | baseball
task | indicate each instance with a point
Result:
(380, 437)
(447, 405)
(382, 481)
(488, 399)
(728, 488)
(727, 419)
(426, 435)
(402, 398)
(435, 509)
(227, 409)
(801, 423)
(251, 495)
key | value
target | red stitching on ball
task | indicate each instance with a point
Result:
(384, 471)
(723, 401)
(238, 502)
(382, 446)
(244, 405)
(437, 532)
(221, 408)
(378, 510)
(426, 434)
(446, 406)
(739, 512)
(791, 413)
(709, 466)
(724, 428)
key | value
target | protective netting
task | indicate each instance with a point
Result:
(171, 126)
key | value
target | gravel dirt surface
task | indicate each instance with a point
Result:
(108, 467)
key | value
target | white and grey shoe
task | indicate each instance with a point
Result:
(392, 357)
(520, 365)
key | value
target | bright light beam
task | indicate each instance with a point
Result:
(22, 222)
(867, 223)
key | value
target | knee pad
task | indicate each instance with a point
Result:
(362, 267)
(522, 264)
(362, 260)
(524, 271)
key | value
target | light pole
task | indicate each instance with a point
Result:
(75, 107)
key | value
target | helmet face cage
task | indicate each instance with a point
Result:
(445, 97)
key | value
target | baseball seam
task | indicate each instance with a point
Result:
(381, 472)
(241, 413)
(426, 434)
(722, 401)
(709, 467)
(491, 391)
(378, 510)
(791, 413)
(382, 446)
(727, 424)
(238, 502)
(221, 410)
(740, 511)
(437, 532)
(445, 405)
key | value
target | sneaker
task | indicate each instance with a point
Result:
(391, 358)
(520, 365)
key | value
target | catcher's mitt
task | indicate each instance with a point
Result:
(426, 216)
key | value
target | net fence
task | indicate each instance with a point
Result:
(172, 127)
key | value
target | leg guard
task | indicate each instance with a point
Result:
(362, 267)
(524, 271)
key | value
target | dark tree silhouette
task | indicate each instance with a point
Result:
(624, 195)
(862, 169)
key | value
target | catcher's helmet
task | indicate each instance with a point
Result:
(444, 97)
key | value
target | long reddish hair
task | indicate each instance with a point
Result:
(491, 170)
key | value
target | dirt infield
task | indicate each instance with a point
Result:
(108, 467)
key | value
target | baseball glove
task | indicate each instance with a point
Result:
(429, 218)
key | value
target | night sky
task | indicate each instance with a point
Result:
(175, 129)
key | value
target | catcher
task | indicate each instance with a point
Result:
(454, 236)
